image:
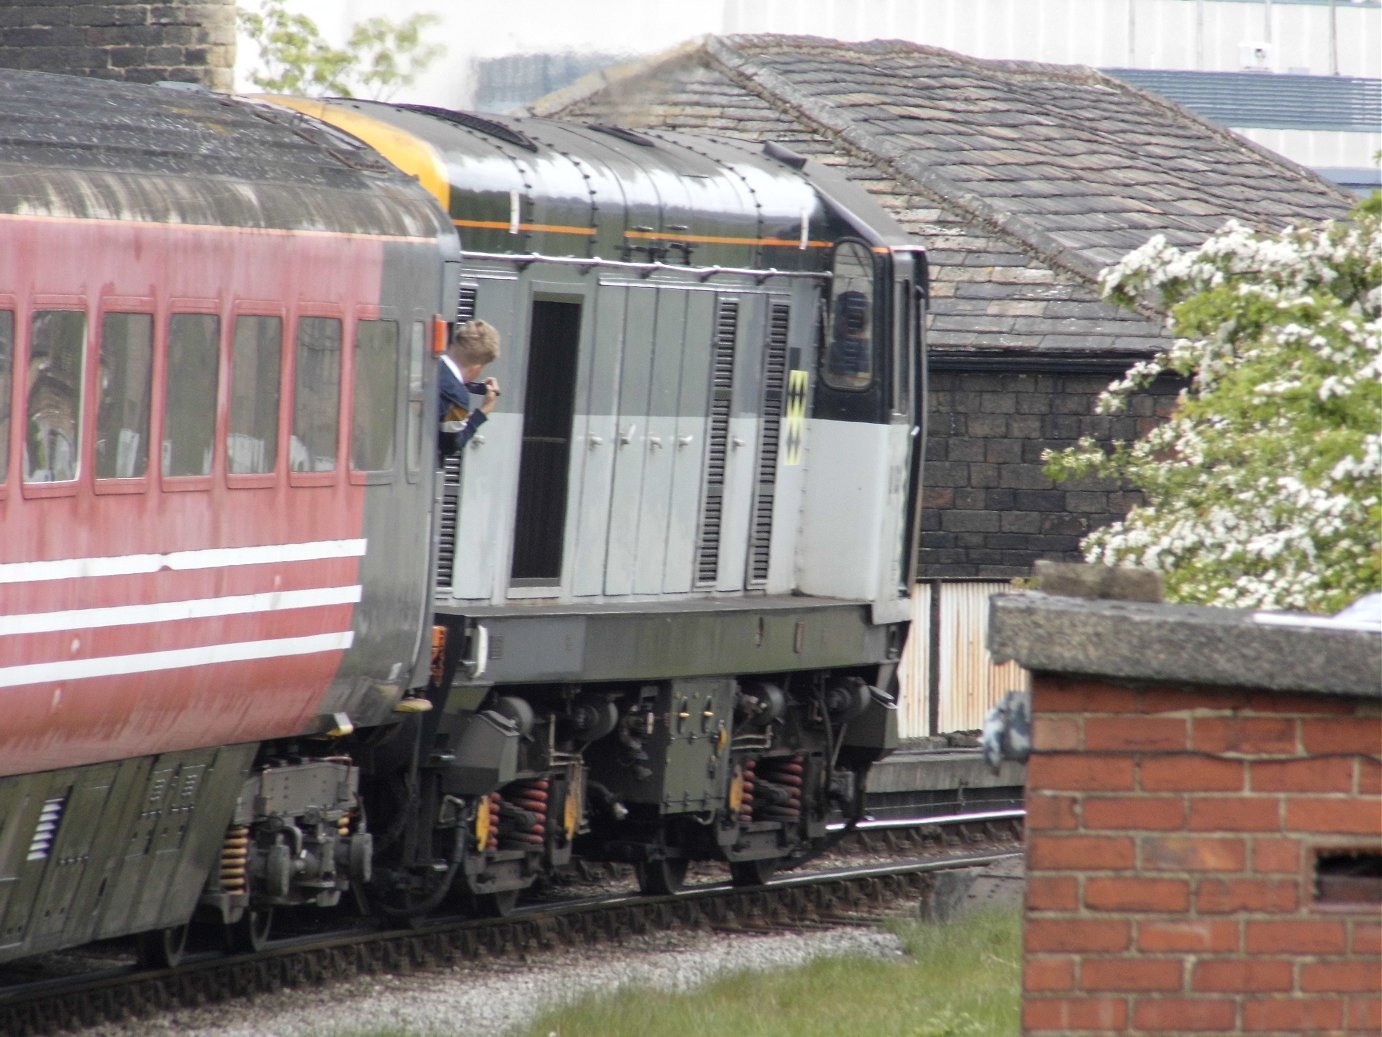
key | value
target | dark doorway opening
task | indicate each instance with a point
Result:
(548, 407)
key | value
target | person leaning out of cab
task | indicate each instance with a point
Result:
(473, 346)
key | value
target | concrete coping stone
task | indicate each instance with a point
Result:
(1150, 642)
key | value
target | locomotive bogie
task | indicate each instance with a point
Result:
(667, 777)
(297, 837)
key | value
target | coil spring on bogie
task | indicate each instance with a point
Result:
(779, 781)
(523, 814)
(746, 798)
(496, 806)
(235, 852)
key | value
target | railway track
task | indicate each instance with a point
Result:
(103, 985)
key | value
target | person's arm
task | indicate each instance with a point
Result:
(479, 415)
(473, 420)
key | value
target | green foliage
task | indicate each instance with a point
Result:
(961, 979)
(1264, 489)
(380, 57)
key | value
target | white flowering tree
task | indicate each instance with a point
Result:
(1264, 488)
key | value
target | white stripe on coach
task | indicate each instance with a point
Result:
(206, 558)
(181, 658)
(168, 611)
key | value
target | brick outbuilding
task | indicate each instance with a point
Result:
(1204, 818)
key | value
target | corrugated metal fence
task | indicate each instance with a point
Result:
(948, 679)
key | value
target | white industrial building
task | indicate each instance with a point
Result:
(503, 55)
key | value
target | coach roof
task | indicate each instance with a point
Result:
(93, 149)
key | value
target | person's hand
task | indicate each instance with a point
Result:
(491, 394)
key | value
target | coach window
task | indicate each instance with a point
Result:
(417, 363)
(252, 443)
(52, 442)
(189, 403)
(6, 388)
(316, 395)
(849, 347)
(122, 412)
(374, 400)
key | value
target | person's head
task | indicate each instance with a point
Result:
(475, 344)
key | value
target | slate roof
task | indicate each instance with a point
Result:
(1024, 180)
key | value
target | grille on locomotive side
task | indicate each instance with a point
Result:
(770, 438)
(721, 395)
(451, 477)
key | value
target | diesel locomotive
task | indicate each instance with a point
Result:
(261, 647)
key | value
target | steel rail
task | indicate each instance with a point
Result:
(874, 824)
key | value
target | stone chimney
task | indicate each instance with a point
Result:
(136, 42)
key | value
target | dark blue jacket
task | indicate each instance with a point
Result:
(455, 400)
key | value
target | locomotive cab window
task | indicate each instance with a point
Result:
(6, 388)
(57, 352)
(252, 443)
(316, 395)
(189, 407)
(902, 351)
(374, 400)
(125, 382)
(848, 360)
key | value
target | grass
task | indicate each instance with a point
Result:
(962, 979)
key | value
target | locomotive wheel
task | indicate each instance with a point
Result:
(163, 948)
(495, 905)
(251, 932)
(752, 873)
(661, 877)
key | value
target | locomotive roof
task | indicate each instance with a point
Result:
(93, 149)
(522, 185)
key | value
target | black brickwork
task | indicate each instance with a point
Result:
(128, 41)
(990, 511)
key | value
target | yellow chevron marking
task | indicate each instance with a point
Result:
(796, 416)
(411, 154)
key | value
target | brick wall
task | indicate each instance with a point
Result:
(1184, 826)
(1172, 839)
(990, 510)
(124, 40)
